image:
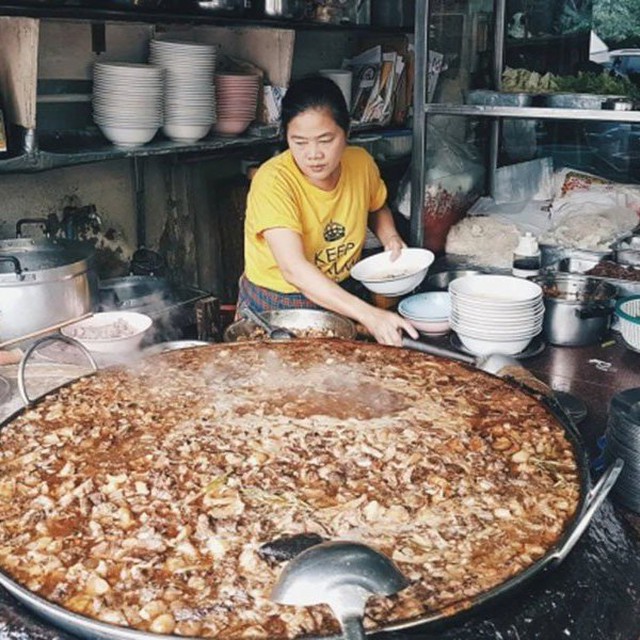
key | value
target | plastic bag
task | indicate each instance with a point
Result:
(454, 181)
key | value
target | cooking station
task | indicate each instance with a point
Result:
(592, 594)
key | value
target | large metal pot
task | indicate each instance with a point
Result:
(591, 499)
(44, 282)
(578, 309)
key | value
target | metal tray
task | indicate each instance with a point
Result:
(582, 265)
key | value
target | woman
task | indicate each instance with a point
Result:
(307, 214)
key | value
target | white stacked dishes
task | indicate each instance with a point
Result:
(127, 101)
(495, 313)
(236, 102)
(189, 109)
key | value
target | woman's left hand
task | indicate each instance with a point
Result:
(387, 327)
(394, 244)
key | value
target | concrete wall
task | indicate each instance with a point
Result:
(108, 186)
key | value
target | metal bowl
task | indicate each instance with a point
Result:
(577, 100)
(441, 280)
(296, 320)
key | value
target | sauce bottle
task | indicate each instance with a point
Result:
(526, 257)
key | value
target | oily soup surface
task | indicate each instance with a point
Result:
(140, 497)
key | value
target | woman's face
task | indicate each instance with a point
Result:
(317, 144)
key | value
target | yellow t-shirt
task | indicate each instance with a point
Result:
(332, 223)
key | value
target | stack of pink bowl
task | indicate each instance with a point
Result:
(236, 102)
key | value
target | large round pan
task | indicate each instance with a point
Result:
(590, 500)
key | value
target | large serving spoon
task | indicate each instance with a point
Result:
(498, 364)
(342, 575)
(274, 333)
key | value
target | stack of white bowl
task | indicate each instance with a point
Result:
(189, 109)
(236, 102)
(127, 101)
(495, 313)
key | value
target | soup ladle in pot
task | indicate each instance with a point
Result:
(274, 333)
(343, 575)
(498, 364)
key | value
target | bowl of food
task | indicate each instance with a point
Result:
(381, 275)
(110, 331)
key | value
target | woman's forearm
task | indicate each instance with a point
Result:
(382, 224)
(323, 291)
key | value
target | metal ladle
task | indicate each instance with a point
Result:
(497, 364)
(343, 575)
(274, 333)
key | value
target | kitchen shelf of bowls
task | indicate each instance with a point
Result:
(178, 91)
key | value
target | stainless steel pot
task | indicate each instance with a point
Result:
(133, 292)
(44, 282)
(294, 320)
(578, 309)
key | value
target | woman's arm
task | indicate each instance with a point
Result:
(382, 224)
(286, 246)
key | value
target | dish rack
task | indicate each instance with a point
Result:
(628, 311)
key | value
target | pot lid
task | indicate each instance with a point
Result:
(31, 256)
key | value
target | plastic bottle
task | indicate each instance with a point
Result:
(526, 257)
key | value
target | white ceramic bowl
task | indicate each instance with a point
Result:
(496, 289)
(431, 327)
(484, 347)
(128, 136)
(432, 305)
(186, 132)
(110, 332)
(378, 274)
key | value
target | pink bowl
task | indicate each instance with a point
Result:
(431, 327)
(231, 127)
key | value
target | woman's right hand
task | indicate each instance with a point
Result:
(387, 327)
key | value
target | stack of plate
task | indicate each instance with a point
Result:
(189, 108)
(127, 101)
(623, 441)
(236, 102)
(496, 314)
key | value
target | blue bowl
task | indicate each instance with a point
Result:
(432, 305)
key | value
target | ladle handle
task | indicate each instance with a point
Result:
(352, 628)
(249, 314)
(437, 351)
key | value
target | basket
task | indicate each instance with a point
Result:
(628, 310)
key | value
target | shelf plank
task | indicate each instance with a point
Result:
(84, 150)
(532, 113)
(107, 12)
(55, 155)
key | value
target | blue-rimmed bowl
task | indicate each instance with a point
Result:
(428, 312)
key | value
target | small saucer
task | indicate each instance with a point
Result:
(534, 348)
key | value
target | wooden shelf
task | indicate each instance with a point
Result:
(105, 11)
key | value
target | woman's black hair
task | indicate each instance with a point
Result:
(314, 92)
